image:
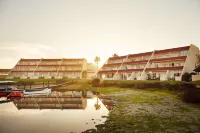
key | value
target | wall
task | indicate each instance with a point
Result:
(190, 62)
(195, 77)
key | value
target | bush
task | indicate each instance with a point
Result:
(186, 85)
(25, 82)
(96, 82)
(191, 95)
(186, 77)
(60, 81)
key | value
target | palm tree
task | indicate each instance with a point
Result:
(97, 105)
(97, 60)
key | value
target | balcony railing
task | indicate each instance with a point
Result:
(107, 71)
(165, 68)
(26, 65)
(113, 64)
(169, 59)
(136, 62)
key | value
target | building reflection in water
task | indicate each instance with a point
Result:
(63, 100)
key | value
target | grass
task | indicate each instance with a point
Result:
(149, 110)
(87, 86)
(141, 98)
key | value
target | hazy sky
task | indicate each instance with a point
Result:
(89, 28)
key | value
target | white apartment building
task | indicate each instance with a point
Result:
(49, 68)
(167, 64)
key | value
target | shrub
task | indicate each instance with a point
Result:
(95, 82)
(191, 95)
(186, 77)
(60, 81)
(26, 82)
(186, 85)
(84, 74)
(126, 85)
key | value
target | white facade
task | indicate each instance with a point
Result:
(48, 68)
(91, 70)
(168, 64)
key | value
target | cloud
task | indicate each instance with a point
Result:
(11, 52)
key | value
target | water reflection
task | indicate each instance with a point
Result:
(70, 111)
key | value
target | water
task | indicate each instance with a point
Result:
(43, 117)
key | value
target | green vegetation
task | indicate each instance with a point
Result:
(145, 110)
(84, 74)
(97, 60)
(150, 110)
(96, 82)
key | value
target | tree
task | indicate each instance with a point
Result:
(186, 77)
(115, 55)
(198, 60)
(95, 82)
(97, 105)
(84, 74)
(97, 60)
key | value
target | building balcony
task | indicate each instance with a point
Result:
(136, 62)
(141, 54)
(22, 71)
(165, 68)
(26, 65)
(70, 70)
(107, 71)
(48, 65)
(108, 78)
(46, 70)
(179, 58)
(71, 65)
(112, 64)
(131, 70)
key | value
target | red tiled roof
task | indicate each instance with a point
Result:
(172, 49)
(117, 57)
(5, 70)
(30, 59)
(131, 70)
(140, 54)
(79, 59)
(149, 53)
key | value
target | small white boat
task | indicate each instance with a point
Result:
(46, 91)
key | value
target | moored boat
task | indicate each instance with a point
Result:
(15, 95)
(4, 93)
(45, 91)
